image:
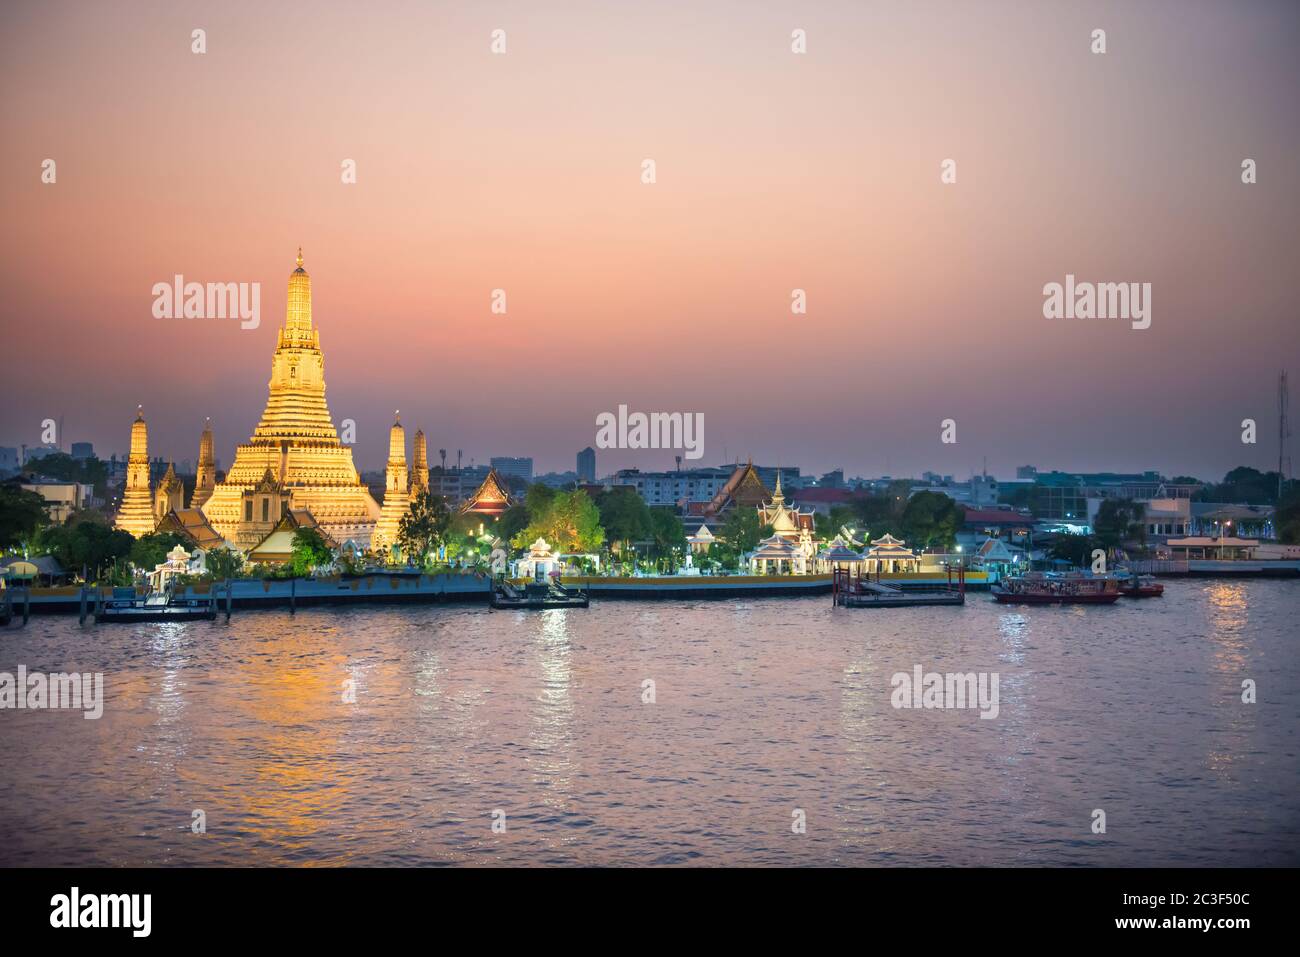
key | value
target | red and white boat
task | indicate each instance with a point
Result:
(1138, 586)
(1039, 589)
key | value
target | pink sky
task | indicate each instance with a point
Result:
(775, 171)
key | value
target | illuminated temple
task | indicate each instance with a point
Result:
(136, 513)
(294, 459)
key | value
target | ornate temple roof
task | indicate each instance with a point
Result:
(490, 499)
(277, 545)
(744, 488)
(192, 525)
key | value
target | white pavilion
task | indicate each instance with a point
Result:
(888, 554)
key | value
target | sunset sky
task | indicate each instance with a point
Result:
(775, 171)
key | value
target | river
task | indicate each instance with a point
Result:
(399, 735)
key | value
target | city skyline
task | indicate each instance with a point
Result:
(477, 172)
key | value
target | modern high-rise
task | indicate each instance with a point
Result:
(511, 467)
(587, 465)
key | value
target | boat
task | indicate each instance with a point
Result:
(1043, 589)
(124, 606)
(537, 596)
(1139, 586)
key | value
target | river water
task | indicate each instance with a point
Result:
(765, 713)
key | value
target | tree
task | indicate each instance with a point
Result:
(1286, 520)
(223, 563)
(151, 550)
(742, 530)
(1075, 549)
(513, 521)
(22, 513)
(60, 465)
(423, 529)
(829, 525)
(87, 544)
(624, 515)
(668, 536)
(309, 551)
(1119, 521)
(931, 518)
(569, 523)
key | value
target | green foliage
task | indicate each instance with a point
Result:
(1286, 520)
(1075, 549)
(1119, 521)
(931, 518)
(570, 522)
(22, 513)
(87, 544)
(829, 525)
(668, 538)
(624, 515)
(60, 465)
(424, 529)
(1242, 486)
(150, 551)
(742, 531)
(223, 563)
(309, 551)
(513, 521)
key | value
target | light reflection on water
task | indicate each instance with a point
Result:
(762, 707)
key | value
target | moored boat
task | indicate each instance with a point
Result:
(163, 606)
(537, 596)
(1139, 586)
(1040, 589)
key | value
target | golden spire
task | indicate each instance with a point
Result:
(299, 257)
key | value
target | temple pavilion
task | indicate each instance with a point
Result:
(294, 458)
(778, 556)
(491, 499)
(787, 522)
(838, 555)
(701, 540)
(889, 554)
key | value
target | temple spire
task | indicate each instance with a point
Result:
(299, 257)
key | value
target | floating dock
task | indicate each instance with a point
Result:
(850, 590)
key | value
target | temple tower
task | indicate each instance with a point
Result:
(420, 468)
(206, 479)
(396, 498)
(170, 495)
(136, 512)
(295, 442)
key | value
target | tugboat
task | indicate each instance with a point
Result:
(1041, 589)
(537, 596)
(124, 606)
(1138, 586)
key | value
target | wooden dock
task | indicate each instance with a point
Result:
(850, 590)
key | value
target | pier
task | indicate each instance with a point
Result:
(852, 590)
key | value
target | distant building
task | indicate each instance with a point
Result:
(8, 459)
(587, 465)
(559, 479)
(670, 488)
(1065, 496)
(63, 498)
(511, 467)
(1026, 472)
(32, 453)
(832, 479)
(83, 450)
